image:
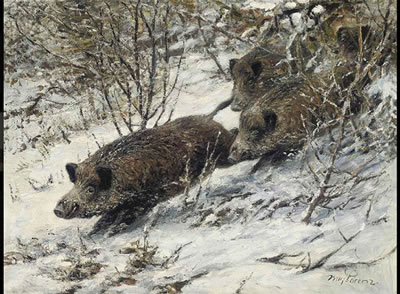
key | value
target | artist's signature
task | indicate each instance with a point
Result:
(351, 279)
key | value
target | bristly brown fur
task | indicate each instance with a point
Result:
(254, 74)
(280, 122)
(278, 103)
(145, 167)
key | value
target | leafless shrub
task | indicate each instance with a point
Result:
(13, 257)
(176, 287)
(208, 169)
(242, 283)
(78, 270)
(13, 194)
(120, 50)
(142, 254)
(80, 263)
(208, 45)
(352, 125)
(174, 256)
(37, 186)
(27, 252)
(97, 143)
(304, 261)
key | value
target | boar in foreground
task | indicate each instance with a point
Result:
(129, 176)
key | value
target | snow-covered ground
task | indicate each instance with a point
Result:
(238, 219)
(243, 234)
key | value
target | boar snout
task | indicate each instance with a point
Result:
(59, 211)
(65, 209)
(238, 154)
(236, 157)
(239, 151)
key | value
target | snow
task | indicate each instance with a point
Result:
(318, 10)
(223, 248)
(267, 5)
(297, 21)
(290, 5)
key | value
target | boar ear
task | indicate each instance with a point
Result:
(71, 169)
(270, 119)
(257, 68)
(232, 63)
(105, 175)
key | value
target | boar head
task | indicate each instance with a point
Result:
(254, 130)
(91, 194)
(244, 77)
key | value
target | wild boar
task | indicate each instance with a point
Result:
(280, 124)
(129, 176)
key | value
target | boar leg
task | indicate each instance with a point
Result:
(104, 222)
(270, 158)
(123, 220)
(114, 222)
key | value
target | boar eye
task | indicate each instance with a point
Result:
(90, 189)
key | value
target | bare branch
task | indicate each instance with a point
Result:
(367, 263)
(207, 47)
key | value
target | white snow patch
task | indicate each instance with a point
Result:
(290, 5)
(318, 10)
(267, 5)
